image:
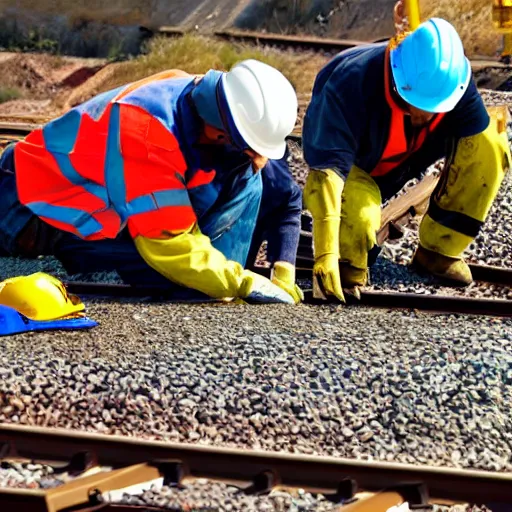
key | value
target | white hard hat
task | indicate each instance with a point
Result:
(263, 105)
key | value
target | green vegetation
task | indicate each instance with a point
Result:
(196, 55)
(9, 93)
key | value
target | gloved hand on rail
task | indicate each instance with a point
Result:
(190, 260)
(322, 197)
(283, 275)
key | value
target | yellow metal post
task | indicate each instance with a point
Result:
(502, 20)
(502, 15)
(413, 13)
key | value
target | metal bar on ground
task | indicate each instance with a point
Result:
(437, 303)
(313, 43)
(78, 491)
(325, 473)
(413, 12)
(407, 206)
(380, 501)
(490, 274)
(18, 129)
(481, 273)
(434, 303)
(127, 291)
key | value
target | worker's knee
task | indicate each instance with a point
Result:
(441, 239)
(475, 175)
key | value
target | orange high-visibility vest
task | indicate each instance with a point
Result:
(397, 148)
(113, 161)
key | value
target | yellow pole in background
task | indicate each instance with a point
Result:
(502, 20)
(413, 13)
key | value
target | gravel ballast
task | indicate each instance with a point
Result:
(350, 382)
(353, 382)
(215, 496)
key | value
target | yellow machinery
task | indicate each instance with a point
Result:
(502, 19)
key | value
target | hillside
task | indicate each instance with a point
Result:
(112, 30)
(353, 19)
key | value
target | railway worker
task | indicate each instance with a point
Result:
(380, 114)
(161, 180)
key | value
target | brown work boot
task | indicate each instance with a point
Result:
(454, 270)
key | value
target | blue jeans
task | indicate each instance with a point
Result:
(229, 223)
(13, 215)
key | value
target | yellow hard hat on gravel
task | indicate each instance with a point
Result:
(40, 296)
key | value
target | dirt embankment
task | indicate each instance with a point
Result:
(119, 28)
(113, 29)
(43, 82)
(353, 19)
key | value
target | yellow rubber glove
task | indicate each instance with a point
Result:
(190, 260)
(283, 275)
(360, 221)
(322, 197)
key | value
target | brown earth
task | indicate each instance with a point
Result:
(352, 19)
(51, 85)
(44, 81)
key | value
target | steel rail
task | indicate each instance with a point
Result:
(270, 39)
(437, 303)
(322, 474)
(481, 273)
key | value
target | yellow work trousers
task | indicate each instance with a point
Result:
(458, 207)
(461, 202)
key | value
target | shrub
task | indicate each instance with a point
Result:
(198, 54)
(9, 93)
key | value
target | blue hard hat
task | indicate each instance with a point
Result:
(429, 67)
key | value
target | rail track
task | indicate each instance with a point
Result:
(398, 213)
(300, 43)
(125, 462)
(482, 66)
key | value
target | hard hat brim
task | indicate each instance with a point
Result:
(435, 105)
(13, 322)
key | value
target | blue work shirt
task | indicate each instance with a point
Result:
(279, 216)
(348, 120)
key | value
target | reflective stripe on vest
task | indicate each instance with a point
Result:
(85, 224)
(116, 185)
(113, 194)
(397, 148)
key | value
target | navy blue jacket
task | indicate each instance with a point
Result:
(348, 120)
(279, 218)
